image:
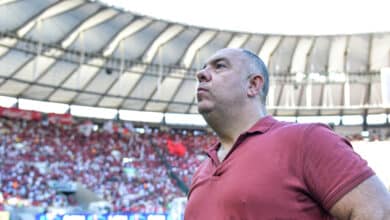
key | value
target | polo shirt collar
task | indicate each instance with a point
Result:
(261, 126)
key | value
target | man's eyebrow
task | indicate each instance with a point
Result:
(214, 61)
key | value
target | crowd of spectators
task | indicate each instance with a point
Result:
(196, 146)
(128, 167)
(119, 165)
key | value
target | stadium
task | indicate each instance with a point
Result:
(99, 114)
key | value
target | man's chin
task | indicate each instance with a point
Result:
(204, 109)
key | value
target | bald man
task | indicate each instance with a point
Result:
(262, 168)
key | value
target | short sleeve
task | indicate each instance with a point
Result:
(330, 166)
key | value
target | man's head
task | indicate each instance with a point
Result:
(231, 78)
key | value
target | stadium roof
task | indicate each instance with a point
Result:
(87, 53)
(300, 17)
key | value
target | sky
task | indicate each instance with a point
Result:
(298, 17)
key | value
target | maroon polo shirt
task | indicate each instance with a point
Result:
(276, 170)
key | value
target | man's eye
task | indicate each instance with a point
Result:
(219, 65)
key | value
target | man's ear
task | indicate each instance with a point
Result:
(256, 82)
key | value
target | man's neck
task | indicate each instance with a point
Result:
(229, 125)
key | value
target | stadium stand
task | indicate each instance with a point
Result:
(34, 153)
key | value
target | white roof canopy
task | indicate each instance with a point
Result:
(86, 53)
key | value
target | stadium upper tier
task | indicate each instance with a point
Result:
(87, 53)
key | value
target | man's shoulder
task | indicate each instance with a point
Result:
(296, 127)
(298, 134)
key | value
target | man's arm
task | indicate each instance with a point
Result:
(368, 201)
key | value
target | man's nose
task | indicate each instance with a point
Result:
(203, 75)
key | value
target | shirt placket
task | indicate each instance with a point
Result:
(220, 164)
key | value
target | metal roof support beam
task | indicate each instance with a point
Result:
(3, 2)
(190, 105)
(55, 88)
(89, 81)
(367, 97)
(16, 71)
(309, 88)
(345, 99)
(290, 69)
(87, 92)
(271, 95)
(261, 45)
(301, 93)
(364, 124)
(160, 79)
(105, 93)
(269, 46)
(290, 93)
(8, 42)
(176, 92)
(53, 10)
(169, 34)
(279, 99)
(86, 84)
(238, 40)
(326, 95)
(347, 92)
(130, 29)
(203, 38)
(143, 68)
(95, 19)
(14, 42)
(307, 72)
(261, 49)
(59, 57)
(44, 72)
(6, 52)
(165, 36)
(274, 50)
(309, 85)
(119, 78)
(182, 82)
(308, 54)
(322, 98)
